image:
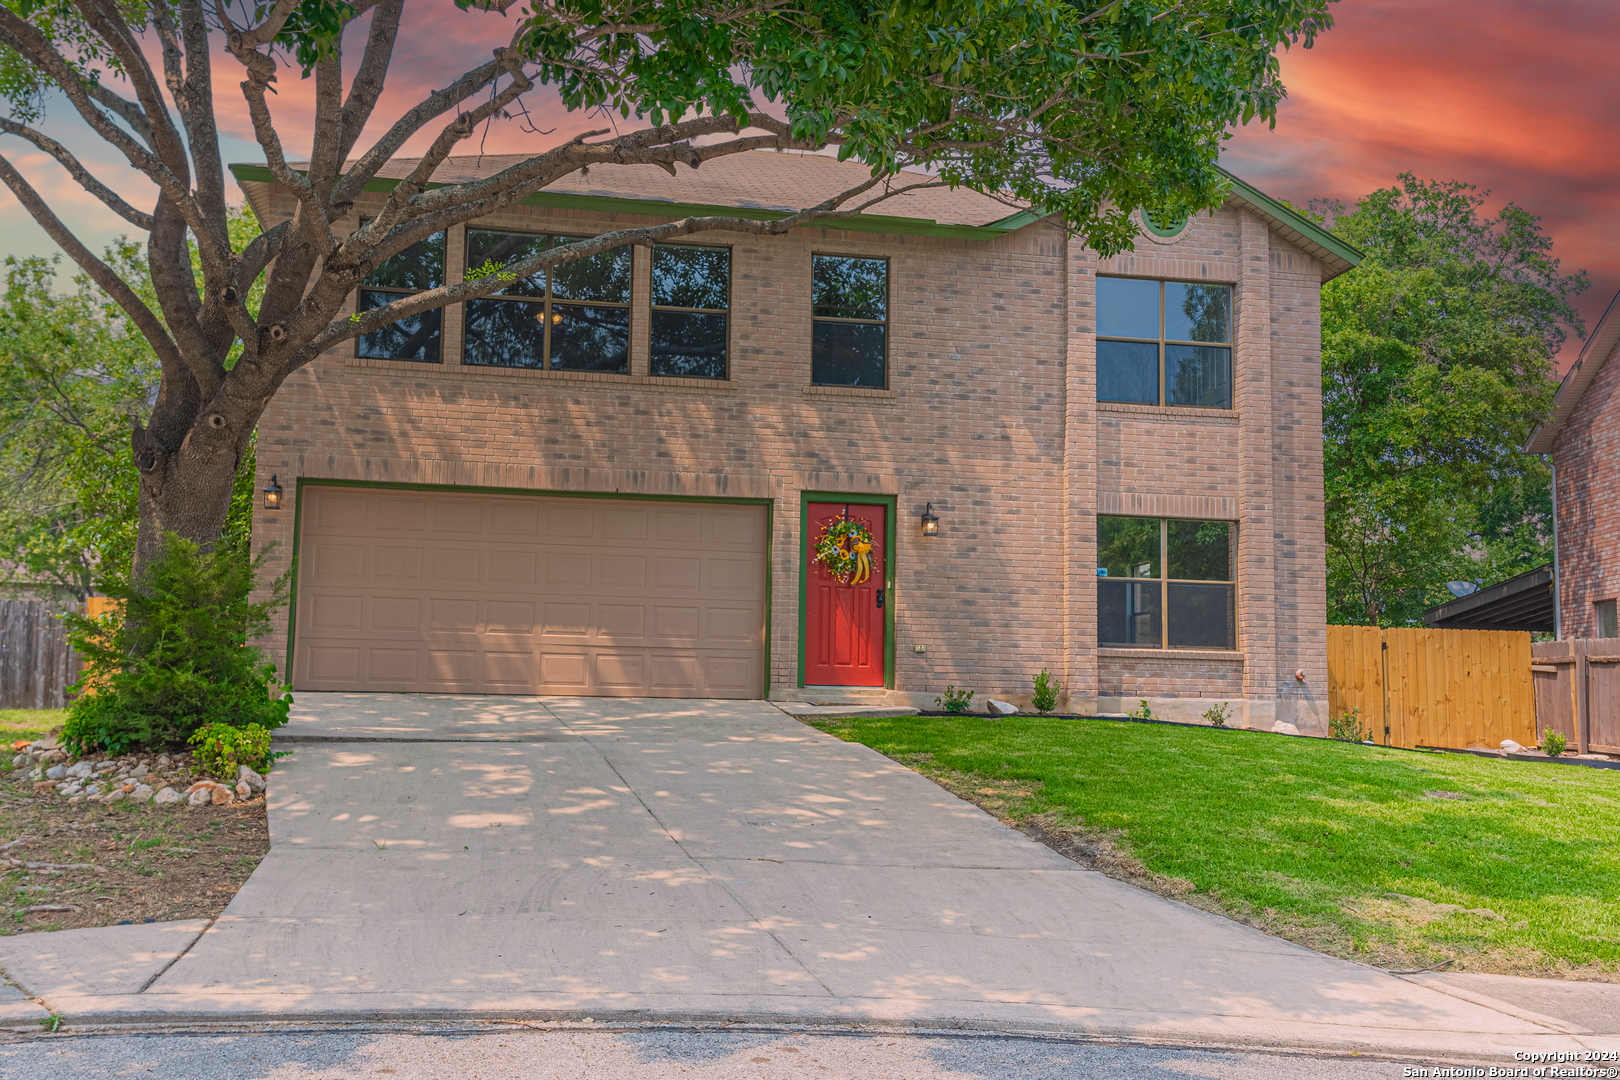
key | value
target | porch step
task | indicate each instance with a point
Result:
(806, 710)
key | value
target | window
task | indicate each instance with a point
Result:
(691, 294)
(1166, 583)
(849, 306)
(417, 337)
(575, 317)
(1164, 342)
(1607, 625)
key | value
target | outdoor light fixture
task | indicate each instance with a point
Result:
(272, 494)
(930, 521)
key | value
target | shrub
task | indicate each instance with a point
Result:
(1218, 715)
(1553, 744)
(1347, 726)
(1143, 712)
(1045, 698)
(219, 748)
(178, 657)
(954, 700)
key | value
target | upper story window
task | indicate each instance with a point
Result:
(1166, 583)
(1164, 342)
(849, 307)
(418, 337)
(576, 317)
(691, 298)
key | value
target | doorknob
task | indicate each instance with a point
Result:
(880, 598)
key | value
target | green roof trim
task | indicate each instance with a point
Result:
(1288, 220)
(607, 204)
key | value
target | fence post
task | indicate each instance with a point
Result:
(1583, 699)
(1383, 655)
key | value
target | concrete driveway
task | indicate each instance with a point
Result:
(715, 861)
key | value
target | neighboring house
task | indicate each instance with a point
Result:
(1583, 437)
(611, 483)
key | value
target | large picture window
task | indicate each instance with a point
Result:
(849, 307)
(691, 299)
(575, 317)
(416, 337)
(1164, 342)
(1166, 583)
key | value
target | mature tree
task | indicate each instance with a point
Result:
(1437, 359)
(75, 374)
(1087, 108)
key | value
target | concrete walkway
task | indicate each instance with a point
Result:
(715, 861)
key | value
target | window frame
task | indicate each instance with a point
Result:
(1164, 581)
(545, 303)
(359, 300)
(1611, 607)
(731, 263)
(1163, 343)
(888, 309)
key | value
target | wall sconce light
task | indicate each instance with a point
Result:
(930, 521)
(272, 494)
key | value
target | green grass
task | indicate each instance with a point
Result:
(28, 723)
(1309, 838)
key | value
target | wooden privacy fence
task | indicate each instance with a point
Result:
(36, 665)
(1440, 688)
(1578, 691)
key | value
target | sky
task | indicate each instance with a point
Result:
(1518, 97)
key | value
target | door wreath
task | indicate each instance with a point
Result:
(846, 550)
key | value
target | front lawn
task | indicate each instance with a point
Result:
(1392, 857)
(28, 724)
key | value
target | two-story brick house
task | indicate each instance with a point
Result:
(1583, 437)
(611, 481)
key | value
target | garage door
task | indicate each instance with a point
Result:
(494, 594)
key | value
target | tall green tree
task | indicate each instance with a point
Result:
(75, 375)
(1437, 363)
(1086, 108)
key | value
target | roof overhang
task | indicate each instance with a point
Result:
(261, 178)
(1597, 351)
(1335, 255)
(1519, 603)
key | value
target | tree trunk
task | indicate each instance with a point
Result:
(187, 493)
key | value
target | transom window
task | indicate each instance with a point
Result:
(1164, 342)
(849, 307)
(416, 337)
(1166, 583)
(691, 298)
(574, 317)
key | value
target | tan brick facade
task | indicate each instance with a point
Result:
(990, 415)
(1586, 456)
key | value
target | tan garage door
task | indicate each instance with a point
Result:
(496, 594)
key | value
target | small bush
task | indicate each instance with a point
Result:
(1347, 726)
(954, 700)
(1143, 712)
(1219, 715)
(217, 749)
(1553, 743)
(1045, 698)
(178, 657)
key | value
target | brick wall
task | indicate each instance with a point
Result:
(991, 366)
(1587, 456)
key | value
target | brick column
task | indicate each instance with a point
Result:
(1257, 590)
(1080, 479)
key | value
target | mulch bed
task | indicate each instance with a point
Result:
(68, 865)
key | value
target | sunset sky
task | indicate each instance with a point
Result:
(1521, 97)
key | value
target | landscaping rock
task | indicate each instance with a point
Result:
(56, 772)
(139, 770)
(1283, 727)
(200, 797)
(82, 770)
(222, 795)
(1002, 708)
(167, 796)
(242, 790)
(253, 779)
(115, 796)
(142, 793)
(1511, 747)
(20, 760)
(53, 757)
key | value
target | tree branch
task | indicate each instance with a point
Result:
(79, 173)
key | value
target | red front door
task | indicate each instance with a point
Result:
(844, 624)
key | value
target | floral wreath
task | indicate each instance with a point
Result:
(845, 549)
